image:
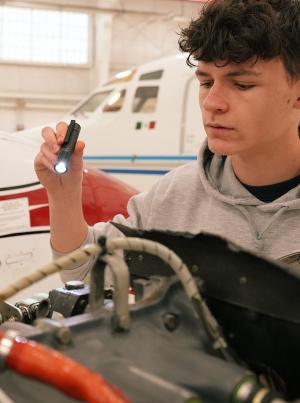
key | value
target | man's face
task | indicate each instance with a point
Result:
(248, 108)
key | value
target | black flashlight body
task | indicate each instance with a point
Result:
(67, 148)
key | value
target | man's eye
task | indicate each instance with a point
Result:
(206, 84)
(244, 87)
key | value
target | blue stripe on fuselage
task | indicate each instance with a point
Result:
(140, 157)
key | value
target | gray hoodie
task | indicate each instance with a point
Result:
(205, 195)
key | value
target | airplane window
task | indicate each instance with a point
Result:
(145, 99)
(92, 103)
(153, 75)
(115, 102)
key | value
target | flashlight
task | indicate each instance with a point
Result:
(62, 162)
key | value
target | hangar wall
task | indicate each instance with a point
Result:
(123, 34)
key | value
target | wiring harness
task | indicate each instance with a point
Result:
(106, 251)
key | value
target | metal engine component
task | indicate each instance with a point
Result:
(165, 354)
(26, 310)
(38, 306)
(69, 300)
(149, 363)
(9, 312)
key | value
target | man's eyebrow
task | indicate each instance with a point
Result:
(236, 73)
(243, 72)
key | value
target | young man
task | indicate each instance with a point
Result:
(245, 184)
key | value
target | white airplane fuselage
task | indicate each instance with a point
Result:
(142, 123)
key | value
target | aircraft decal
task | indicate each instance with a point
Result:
(37, 207)
(14, 215)
(141, 125)
(19, 259)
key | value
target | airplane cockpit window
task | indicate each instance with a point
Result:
(92, 103)
(153, 75)
(145, 99)
(115, 102)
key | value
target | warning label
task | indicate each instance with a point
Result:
(14, 216)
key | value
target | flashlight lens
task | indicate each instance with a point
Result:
(61, 168)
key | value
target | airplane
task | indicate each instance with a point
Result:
(142, 123)
(24, 211)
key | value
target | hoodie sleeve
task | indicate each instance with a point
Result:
(139, 208)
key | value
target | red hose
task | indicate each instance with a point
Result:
(39, 362)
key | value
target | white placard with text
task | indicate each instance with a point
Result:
(14, 216)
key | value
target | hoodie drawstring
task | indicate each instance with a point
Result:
(259, 235)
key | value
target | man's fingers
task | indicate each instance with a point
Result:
(79, 146)
(61, 130)
(48, 135)
(76, 160)
(78, 152)
(50, 148)
(41, 163)
(52, 137)
(50, 152)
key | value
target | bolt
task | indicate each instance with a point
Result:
(74, 285)
(171, 321)
(243, 280)
(83, 304)
(63, 335)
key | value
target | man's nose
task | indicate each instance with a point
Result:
(215, 100)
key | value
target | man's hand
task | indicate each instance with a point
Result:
(55, 184)
(64, 191)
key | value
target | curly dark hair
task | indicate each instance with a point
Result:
(235, 31)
